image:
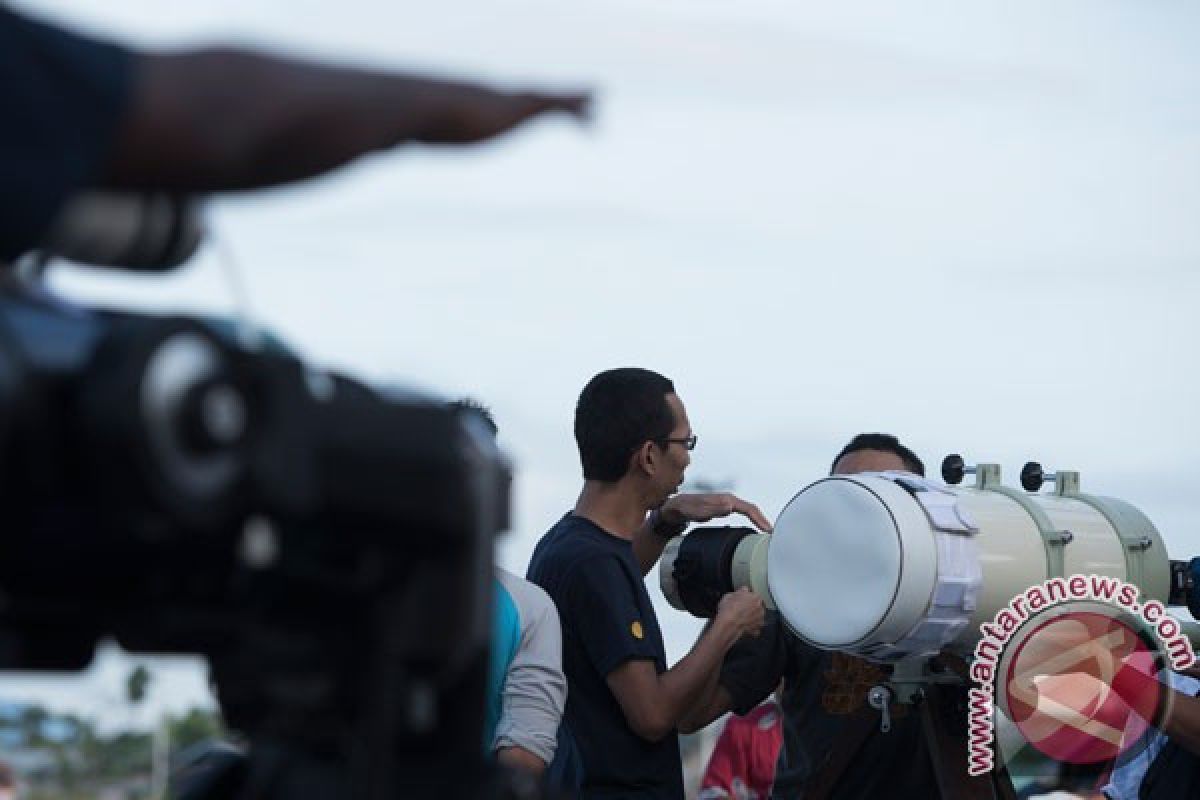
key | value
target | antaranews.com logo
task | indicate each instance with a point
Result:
(1074, 663)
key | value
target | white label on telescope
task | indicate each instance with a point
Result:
(959, 574)
(941, 505)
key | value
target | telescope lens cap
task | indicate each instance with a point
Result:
(834, 562)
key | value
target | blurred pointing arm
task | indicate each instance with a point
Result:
(219, 119)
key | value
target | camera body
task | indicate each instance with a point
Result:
(326, 545)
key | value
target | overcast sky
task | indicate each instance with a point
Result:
(969, 224)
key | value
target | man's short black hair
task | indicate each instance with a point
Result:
(470, 405)
(618, 410)
(883, 442)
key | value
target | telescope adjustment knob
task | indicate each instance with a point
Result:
(954, 469)
(1066, 482)
(1033, 476)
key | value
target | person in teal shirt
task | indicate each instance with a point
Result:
(527, 690)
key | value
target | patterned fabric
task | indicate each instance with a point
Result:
(847, 681)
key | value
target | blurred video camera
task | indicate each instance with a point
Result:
(325, 544)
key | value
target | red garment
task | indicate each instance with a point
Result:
(743, 762)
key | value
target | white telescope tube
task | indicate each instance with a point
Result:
(868, 565)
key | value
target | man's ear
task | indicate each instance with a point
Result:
(644, 459)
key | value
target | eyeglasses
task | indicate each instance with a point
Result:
(689, 442)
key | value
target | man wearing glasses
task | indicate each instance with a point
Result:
(623, 704)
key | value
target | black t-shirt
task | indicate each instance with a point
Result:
(1174, 774)
(61, 98)
(607, 619)
(823, 692)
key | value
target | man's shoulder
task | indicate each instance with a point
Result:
(531, 600)
(572, 541)
(579, 566)
(574, 527)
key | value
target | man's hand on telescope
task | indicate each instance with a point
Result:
(682, 508)
(743, 611)
(654, 703)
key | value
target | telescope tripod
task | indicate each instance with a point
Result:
(944, 726)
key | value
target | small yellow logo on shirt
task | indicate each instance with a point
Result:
(636, 629)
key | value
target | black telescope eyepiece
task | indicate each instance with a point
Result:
(703, 568)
